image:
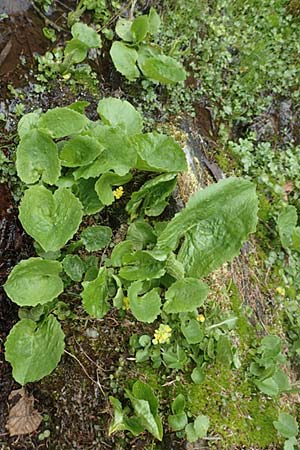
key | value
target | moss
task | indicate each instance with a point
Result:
(237, 415)
(245, 330)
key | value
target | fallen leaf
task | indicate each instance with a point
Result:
(22, 418)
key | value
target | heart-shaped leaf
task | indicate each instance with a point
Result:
(34, 281)
(37, 157)
(50, 219)
(145, 308)
(120, 113)
(34, 350)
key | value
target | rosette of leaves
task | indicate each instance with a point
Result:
(135, 54)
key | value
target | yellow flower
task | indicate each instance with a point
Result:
(126, 303)
(118, 192)
(200, 318)
(162, 334)
(281, 291)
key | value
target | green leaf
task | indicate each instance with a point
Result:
(141, 234)
(296, 239)
(61, 122)
(290, 444)
(198, 429)
(145, 308)
(154, 21)
(286, 223)
(174, 267)
(86, 34)
(80, 151)
(50, 219)
(159, 153)
(198, 375)
(178, 421)
(164, 69)
(286, 425)
(214, 224)
(120, 250)
(118, 421)
(151, 197)
(103, 186)
(34, 350)
(75, 51)
(139, 28)
(185, 295)
(143, 391)
(120, 113)
(151, 422)
(175, 360)
(74, 267)
(268, 386)
(121, 422)
(96, 237)
(123, 29)
(178, 404)
(28, 123)
(224, 353)
(141, 266)
(85, 190)
(37, 157)
(79, 106)
(124, 59)
(192, 331)
(119, 154)
(34, 281)
(95, 295)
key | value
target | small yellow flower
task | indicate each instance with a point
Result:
(201, 318)
(162, 334)
(118, 192)
(281, 291)
(126, 305)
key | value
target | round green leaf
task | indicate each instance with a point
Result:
(159, 153)
(34, 281)
(87, 35)
(76, 51)
(37, 157)
(164, 69)
(123, 28)
(96, 238)
(50, 219)
(286, 425)
(120, 113)
(124, 59)
(80, 151)
(185, 295)
(34, 350)
(61, 122)
(74, 267)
